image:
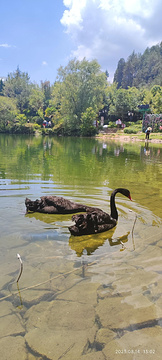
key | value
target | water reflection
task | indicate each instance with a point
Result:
(153, 153)
(118, 150)
(146, 149)
(47, 144)
(79, 244)
(78, 306)
(91, 243)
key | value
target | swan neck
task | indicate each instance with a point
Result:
(114, 213)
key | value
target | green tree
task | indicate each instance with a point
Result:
(156, 89)
(121, 103)
(151, 66)
(8, 112)
(36, 99)
(157, 104)
(46, 90)
(55, 105)
(118, 76)
(140, 70)
(80, 85)
(87, 122)
(110, 98)
(1, 87)
(17, 86)
(156, 99)
(50, 111)
(107, 74)
(133, 98)
(130, 70)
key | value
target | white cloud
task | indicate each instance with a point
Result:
(68, 3)
(73, 17)
(44, 63)
(5, 45)
(110, 29)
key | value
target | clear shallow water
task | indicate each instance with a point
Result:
(94, 297)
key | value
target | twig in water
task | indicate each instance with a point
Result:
(21, 303)
(46, 281)
(21, 267)
(134, 224)
(69, 348)
(133, 231)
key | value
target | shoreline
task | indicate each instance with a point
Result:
(121, 137)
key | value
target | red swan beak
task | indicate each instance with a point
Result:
(130, 198)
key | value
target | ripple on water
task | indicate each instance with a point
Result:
(79, 298)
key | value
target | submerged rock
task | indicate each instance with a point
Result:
(139, 344)
(123, 316)
(55, 343)
(13, 348)
(11, 324)
(65, 325)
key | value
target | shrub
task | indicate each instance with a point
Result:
(131, 130)
(87, 120)
(36, 126)
(112, 124)
(20, 119)
(37, 120)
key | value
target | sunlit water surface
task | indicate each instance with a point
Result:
(92, 297)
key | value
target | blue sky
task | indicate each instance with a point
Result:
(40, 35)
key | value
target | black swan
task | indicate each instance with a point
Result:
(54, 205)
(95, 220)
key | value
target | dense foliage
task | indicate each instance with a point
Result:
(80, 85)
(140, 70)
(81, 95)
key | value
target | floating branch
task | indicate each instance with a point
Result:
(21, 267)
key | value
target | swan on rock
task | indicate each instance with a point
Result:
(93, 220)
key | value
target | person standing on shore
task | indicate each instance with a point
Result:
(147, 132)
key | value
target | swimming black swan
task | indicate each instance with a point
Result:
(95, 220)
(54, 205)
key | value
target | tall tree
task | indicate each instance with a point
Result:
(156, 99)
(118, 76)
(1, 87)
(36, 99)
(122, 103)
(17, 86)
(130, 70)
(140, 70)
(87, 122)
(8, 112)
(107, 74)
(46, 90)
(80, 85)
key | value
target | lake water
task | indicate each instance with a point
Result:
(94, 297)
